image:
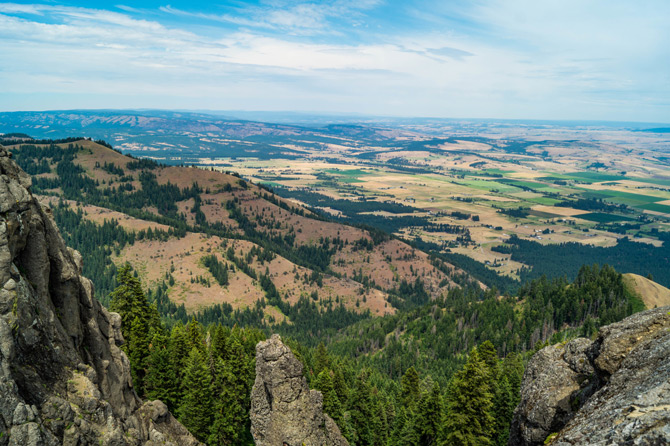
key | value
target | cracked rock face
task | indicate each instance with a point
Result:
(283, 409)
(63, 378)
(612, 391)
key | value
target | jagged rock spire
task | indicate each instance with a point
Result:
(283, 409)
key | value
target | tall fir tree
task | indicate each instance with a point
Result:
(360, 411)
(469, 419)
(139, 322)
(430, 417)
(321, 359)
(410, 387)
(195, 411)
(230, 414)
(331, 403)
(503, 409)
(160, 380)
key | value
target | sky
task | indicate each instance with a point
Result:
(508, 59)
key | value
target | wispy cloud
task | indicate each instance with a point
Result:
(513, 58)
(303, 18)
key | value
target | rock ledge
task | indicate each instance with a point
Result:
(614, 390)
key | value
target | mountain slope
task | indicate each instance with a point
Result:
(63, 378)
(258, 237)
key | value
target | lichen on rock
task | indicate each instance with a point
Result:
(614, 390)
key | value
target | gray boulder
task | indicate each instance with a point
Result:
(612, 391)
(283, 409)
(63, 378)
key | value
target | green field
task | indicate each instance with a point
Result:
(594, 177)
(657, 207)
(623, 197)
(529, 184)
(659, 181)
(544, 200)
(600, 217)
(352, 173)
(488, 185)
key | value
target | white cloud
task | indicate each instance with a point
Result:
(525, 61)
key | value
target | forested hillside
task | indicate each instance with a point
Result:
(407, 348)
(446, 372)
(223, 238)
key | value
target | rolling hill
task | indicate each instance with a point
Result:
(178, 226)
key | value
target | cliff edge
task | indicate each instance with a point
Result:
(63, 378)
(283, 409)
(614, 390)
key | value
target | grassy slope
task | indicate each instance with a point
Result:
(651, 293)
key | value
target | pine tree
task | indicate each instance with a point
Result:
(230, 416)
(469, 421)
(487, 353)
(194, 335)
(410, 387)
(138, 352)
(409, 435)
(360, 411)
(139, 322)
(430, 417)
(179, 352)
(340, 386)
(331, 403)
(321, 360)
(160, 380)
(503, 409)
(379, 422)
(219, 345)
(512, 368)
(395, 439)
(195, 411)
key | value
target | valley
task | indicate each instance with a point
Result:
(392, 270)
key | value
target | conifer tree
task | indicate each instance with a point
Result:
(395, 439)
(360, 411)
(138, 352)
(409, 435)
(195, 411)
(379, 422)
(139, 321)
(503, 409)
(230, 415)
(321, 360)
(194, 335)
(160, 380)
(340, 386)
(219, 345)
(512, 368)
(179, 348)
(469, 421)
(410, 387)
(331, 403)
(487, 353)
(430, 416)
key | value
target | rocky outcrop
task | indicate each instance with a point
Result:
(283, 409)
(614, 390)
(63, 378)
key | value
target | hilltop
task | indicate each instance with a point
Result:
(651, 293)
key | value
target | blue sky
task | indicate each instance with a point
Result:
(525, 59)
